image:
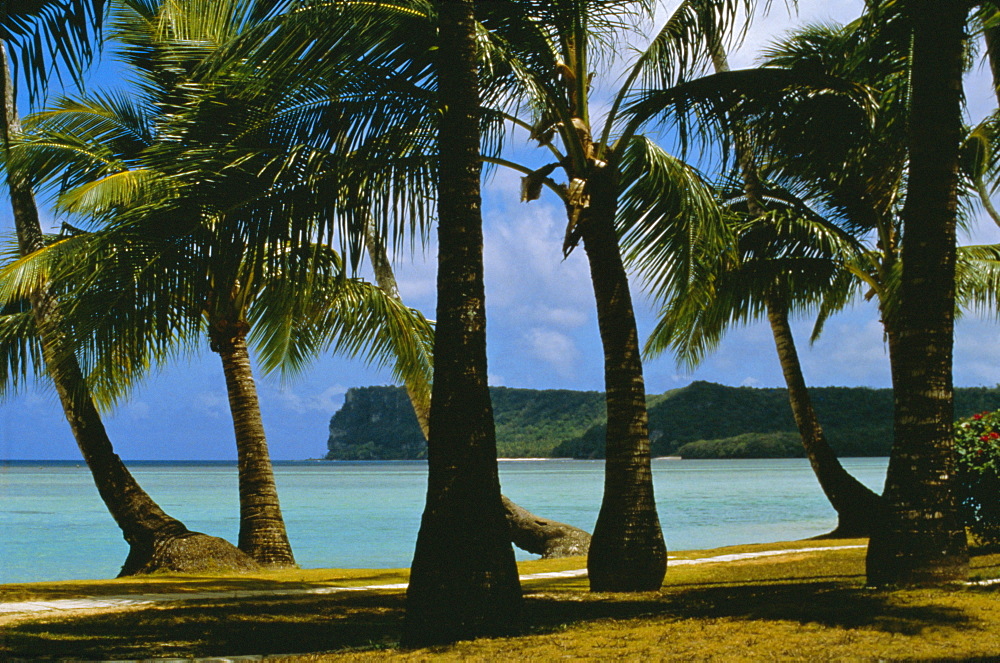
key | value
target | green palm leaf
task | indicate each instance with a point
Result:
(20, 352)
(45, 31)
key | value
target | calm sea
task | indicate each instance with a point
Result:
(53, 525)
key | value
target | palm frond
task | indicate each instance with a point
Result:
(43, 33)
(668, 217)
(208, 195)
(781, 256)
(681, 49)
(20, 353)
(977, 279)
(314, 306)
(757, 102)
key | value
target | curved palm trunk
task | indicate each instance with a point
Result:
(463, 581)
(992, 37)
(262, 529)
(627, 551)
(157, 542)
(385, 278)
(857, 506)
(541, 536)
(922, 541)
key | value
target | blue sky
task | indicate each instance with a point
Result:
(542, 331)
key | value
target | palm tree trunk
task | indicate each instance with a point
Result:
(157, 542)
(992, 37)
(262, 529)
(385, 278)
(463, 581)
(541, 536)
(627, 551)
(857, 506)
(922, 541)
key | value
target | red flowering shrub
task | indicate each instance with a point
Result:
(977, 469)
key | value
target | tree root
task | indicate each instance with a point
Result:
(542, 536)
(187, 553)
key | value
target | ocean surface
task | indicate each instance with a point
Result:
(53, 525)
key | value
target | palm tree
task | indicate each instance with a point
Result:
(865, 192)
(917, 539)
(536, 53)
(156, 540)
(858, 507)
(856, 180)
(601, 163)
(620, 182)
(463, 579)
(781, 262)
(542, 536)
(922, 540)
(262, 532)
(194, 226)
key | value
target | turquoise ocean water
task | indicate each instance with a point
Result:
(53, 525)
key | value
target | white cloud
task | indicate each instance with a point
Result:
(327, 401)
(212, 404)
(525, 272)
(554, 348)
(852, 351)
(563, 317)
(750, 382)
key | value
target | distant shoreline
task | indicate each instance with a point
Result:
(510, 460)
(20, 462)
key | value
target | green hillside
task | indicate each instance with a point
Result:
(701, 420)
(377, 423)
(532, 423)
(856, 420)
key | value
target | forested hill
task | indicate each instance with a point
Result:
(377, 423)
(701, 420)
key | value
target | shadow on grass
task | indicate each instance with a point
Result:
(244, 583)
(278, 626)
(373, 620)
(829, 604)
(174, 584)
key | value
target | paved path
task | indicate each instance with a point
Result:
(25, 608)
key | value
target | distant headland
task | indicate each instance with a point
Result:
(701, 420)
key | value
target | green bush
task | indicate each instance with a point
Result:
(977, 469)
(749, 445)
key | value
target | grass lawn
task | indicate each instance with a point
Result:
(799, 606)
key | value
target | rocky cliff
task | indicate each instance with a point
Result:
(375, 423)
